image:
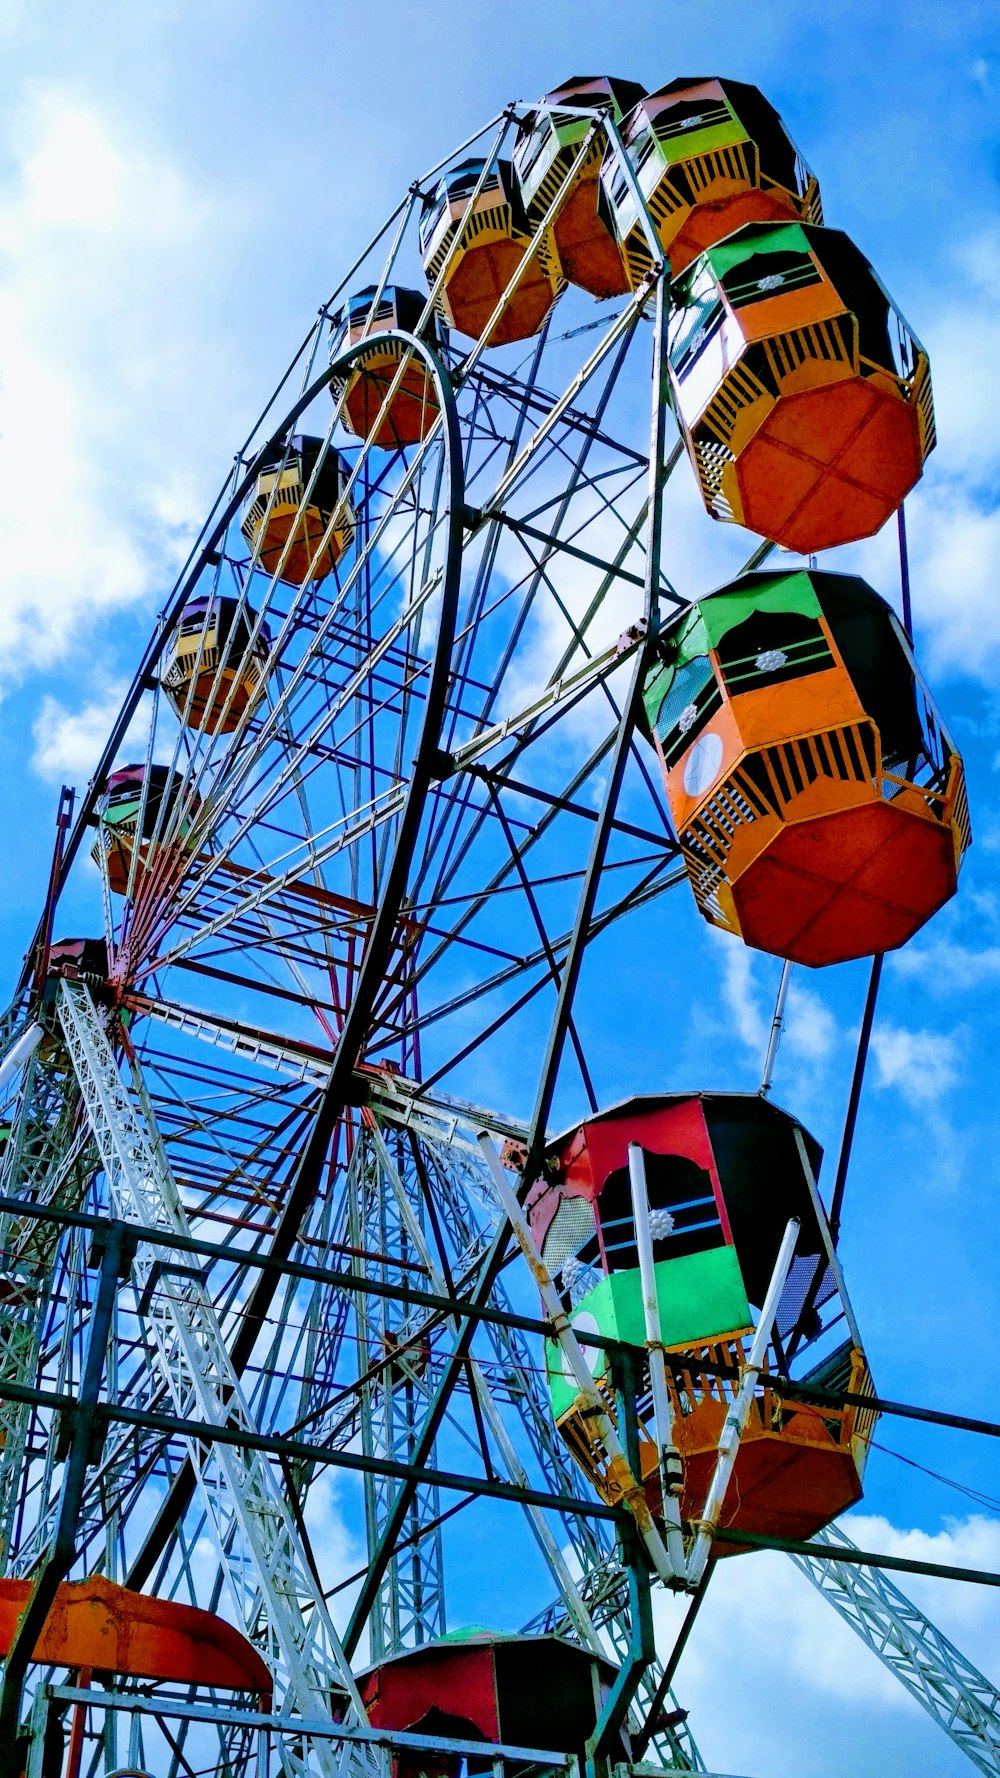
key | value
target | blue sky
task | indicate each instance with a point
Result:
(180, 187)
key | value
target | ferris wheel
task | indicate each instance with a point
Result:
(426, 719)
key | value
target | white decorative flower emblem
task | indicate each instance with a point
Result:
(578, 1278)
(687, 716)
(770, 660)
(661, 1224)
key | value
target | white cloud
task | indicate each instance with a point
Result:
(967, 1613)
(956, 546)
(921, 1065)
(777, 1683)
(68, 742)
(945, 967)
(811, 1033)
(741, 996)
(962, 338)
(94, 232)
(954, 528)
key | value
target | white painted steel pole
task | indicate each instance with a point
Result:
(777, 1024)
(736, 1419)
(827, 1238)
(632, 1490)
(19, 1052)
(671, 1479)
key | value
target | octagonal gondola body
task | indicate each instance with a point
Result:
(97, 1624)
(725, 1173)
(216, 663)
(132, 811)
(411, 403)
(709, 155)
(298, 520)
(488, 1686)
(803, 397)
(819, 800)
(551, 142)
(475, 238)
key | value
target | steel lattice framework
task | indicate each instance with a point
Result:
(952, 1691)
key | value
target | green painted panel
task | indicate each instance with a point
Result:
(713, 618)
(121, 814)
(700, 1295)
(721, 612)
(693, 142)
(768, 238)
(571, 129)
(655, 688)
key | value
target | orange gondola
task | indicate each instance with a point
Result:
(549, 144)
(414, 405)
(215, 667)
(142, 804)
(819, 800)
(804, 399)
(708, 156)
(297, 519)
(496, 243)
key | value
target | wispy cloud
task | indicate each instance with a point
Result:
(811, 1032)
(923, 1066)
(68, 742)
(765, 1626)
(943, 966)
(742, 996)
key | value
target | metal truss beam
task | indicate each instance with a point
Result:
(960, 1699)
(269, 1574)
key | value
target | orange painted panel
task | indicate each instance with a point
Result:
(171, 862)
(849, 884)
(839, 844)
(96, 1624)
(410, 414)
(785, 1483)
(791, 308)
(478, 279)
(719, 746)
(774, 903)
(798, 707)
(308, 527)
(819, 423)
(589, 255)
(778, 1488)
(828, 466)
(915, 868)
(247, 688)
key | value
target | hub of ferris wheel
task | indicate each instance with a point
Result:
(377, 817)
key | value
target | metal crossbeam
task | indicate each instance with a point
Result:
(279, 1598)
(962, 1702)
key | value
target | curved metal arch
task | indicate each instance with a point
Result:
(371, 971)
(455, 481)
